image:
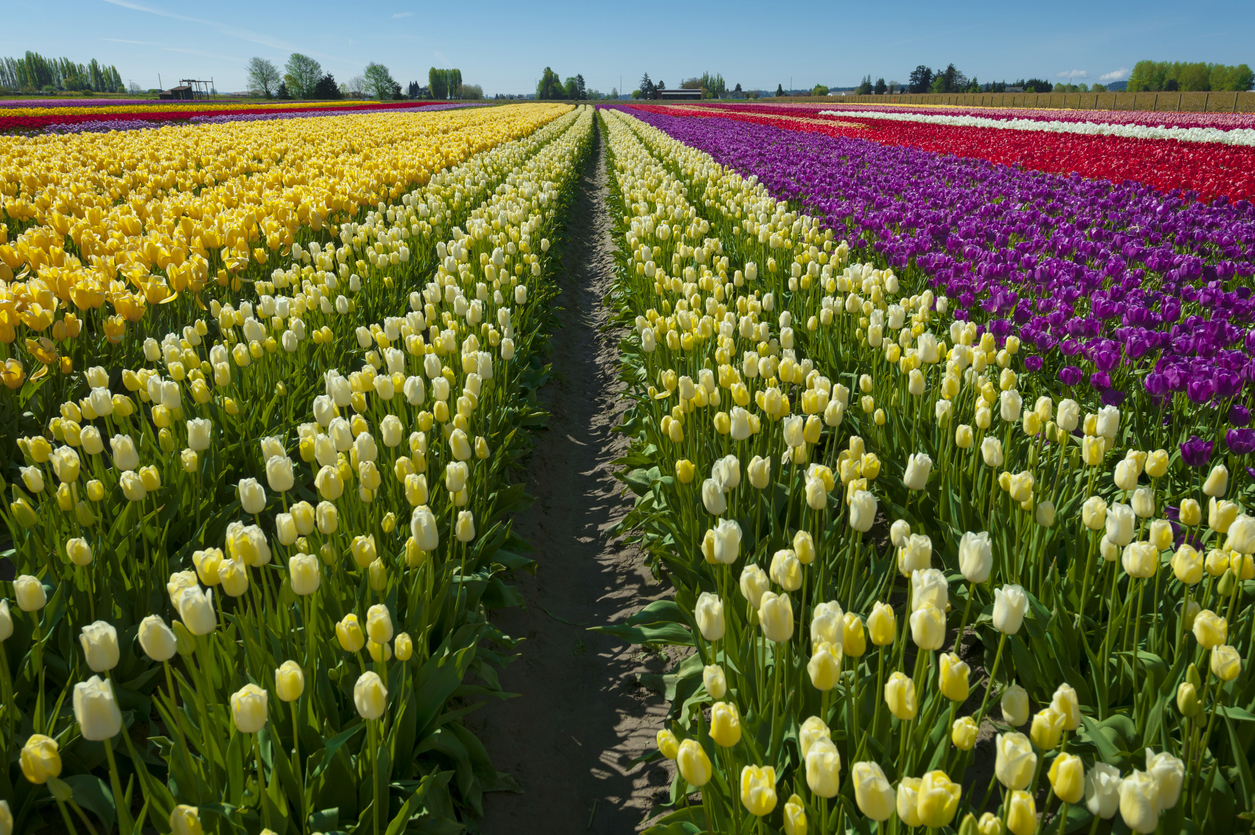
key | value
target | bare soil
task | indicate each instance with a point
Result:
(582, 716)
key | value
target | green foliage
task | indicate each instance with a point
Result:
(820, 90)
(921, 79)
(880, 89)
(1038, 85)
(35, 72)
(550, 87)
(263, 77)
(444, 84)
(1150, 76)
(326, 88)
(301, 75)
(865, 87)
(379, 82)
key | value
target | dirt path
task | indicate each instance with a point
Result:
(581, 716)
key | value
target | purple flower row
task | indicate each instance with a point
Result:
(1135, 283)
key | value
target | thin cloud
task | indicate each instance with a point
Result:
(1115, 75)
(200, 53)
(1073, 74)
(124, 40)
(439, 56)
(400, 15)
(230, 31)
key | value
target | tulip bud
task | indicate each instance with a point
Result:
(794, 816)
(1226, 664)
(465, 528)
(6, 621)
(824, 666)
(185, 820)
(1015, 761)
(754, 583)
(96, 709)
(289, 681)
(1139, 802)
(872, 792)
(709, 616)
(1190, 513)
(1210, 629)
(1102, 790)
(370, 696)
(1047, 728)
(40, 759)
(823, 768)
(248, 708)
(714, 681)
(725, 724)
(1169, 773)
(30, 593)
(758, 789)
(1014, 705)
(882, 625)
(349, 634)
(668, 745)
(1010, 604)
(928, 627)
(775, 616)
(693, 764)
(156, 639)
(975, 556)
(1021, 813)
(1217, 481)
(963, 733)
(954, 677)
(900, 696)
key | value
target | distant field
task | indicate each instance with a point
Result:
(1193, 102)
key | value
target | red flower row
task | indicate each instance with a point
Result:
(1209, 170)
(39, 122)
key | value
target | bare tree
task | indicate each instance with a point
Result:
(355, 87)
(263, 77)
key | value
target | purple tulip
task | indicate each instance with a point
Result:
(1241, 441)
(1070, 375)
(1196, 452)
(1239, 415)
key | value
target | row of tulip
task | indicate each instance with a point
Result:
(1202, 171)
(1147, 118)
(1232, 136)
(124, 122)
(1116, 292)
(104, 232)
(230, 595)
(854, 434)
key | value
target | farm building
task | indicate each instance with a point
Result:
(680, 93)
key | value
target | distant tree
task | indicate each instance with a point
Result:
(355, 87)
(282, 92)
(881, 87)
(412, 90)
(379, 81)
(1038, 85)
(895, 87)
(646, 89)
(614, 92)
(736, 92)
(263, 77)
(780, 90)
(326, 88)
(921, 79)
(550, 86)
(865, 86)
(133, 88)
(301, 74)
(819, 90)
(636, 94)
(470, 91)
(580, 87)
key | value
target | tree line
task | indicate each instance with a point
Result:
(302, 77)
(712, 86)
(1169, 76)
(551, 87)
(33, 73)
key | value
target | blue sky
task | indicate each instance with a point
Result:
(505, 45)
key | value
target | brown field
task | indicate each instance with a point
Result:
(1215, 102)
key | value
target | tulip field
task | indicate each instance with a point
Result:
(938, 432)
